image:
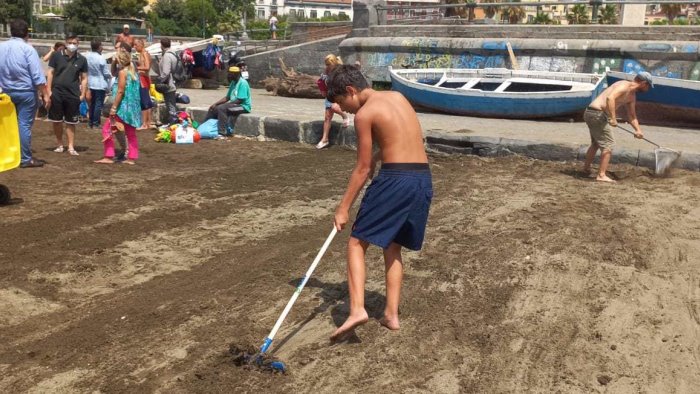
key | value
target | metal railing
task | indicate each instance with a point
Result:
(440, 13)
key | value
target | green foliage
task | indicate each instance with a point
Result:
(671, 11)
(12, 9)
(184, 18)
(43, 26)
(681, 21)
(608, 15)
(542, 19)
(660, 22)
(578, 15)
(83, 16)
(129, 8)
(515, 13)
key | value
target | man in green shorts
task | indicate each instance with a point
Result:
(600, 117)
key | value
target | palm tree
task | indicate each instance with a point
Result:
(490, 11)
(542, 19)
(578, 15)
(515, 13)
(671, 11)
(608, 15)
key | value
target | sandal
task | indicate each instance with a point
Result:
(322, 144)
(59, 149)
(73, 152)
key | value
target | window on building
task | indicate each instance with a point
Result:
(261, 13)
(326, 13)
(313, 14)
(341, 13)
(292, 12)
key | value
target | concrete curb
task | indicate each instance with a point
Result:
(438, 141)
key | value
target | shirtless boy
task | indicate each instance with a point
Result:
(600, 117)
(394, 210)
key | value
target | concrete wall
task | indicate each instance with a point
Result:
(303, 58)
(668, 51)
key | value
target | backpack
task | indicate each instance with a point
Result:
(179, 73)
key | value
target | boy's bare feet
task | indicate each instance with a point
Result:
(390, 323)
(605, 178)
(350, 324)
(104, 161)
(129, 162)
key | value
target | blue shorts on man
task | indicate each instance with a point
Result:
(395, 206)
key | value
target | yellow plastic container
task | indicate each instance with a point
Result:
(9, 135)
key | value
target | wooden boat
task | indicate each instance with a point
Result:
(498, 92)
(667, 91)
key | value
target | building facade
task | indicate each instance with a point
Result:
(300, 8)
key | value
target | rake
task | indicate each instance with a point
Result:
(261, 359)
(665, 157)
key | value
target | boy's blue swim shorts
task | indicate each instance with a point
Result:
(395, 206)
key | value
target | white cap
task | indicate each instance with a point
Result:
(126, 26)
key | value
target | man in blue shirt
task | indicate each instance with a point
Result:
(99, 79)
(21, 76)
(236, 101)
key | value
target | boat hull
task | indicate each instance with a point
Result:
(666, 91)
(520, 105)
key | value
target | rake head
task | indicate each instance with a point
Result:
(665, 158)
(251, 358)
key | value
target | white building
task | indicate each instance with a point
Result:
(308, 9)
(44, 6)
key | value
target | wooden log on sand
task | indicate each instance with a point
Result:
(293, 84)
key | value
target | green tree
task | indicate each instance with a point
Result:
(542, 19)
(129, 8)
(515, 13)
(671, 11)
(608, 15)
(13, 9)
(491, 10)
(578, 15)
(83, 16)
(199, 14)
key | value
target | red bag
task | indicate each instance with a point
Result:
(321, 83)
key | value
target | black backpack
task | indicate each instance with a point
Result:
(179, 72)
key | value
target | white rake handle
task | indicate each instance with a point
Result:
(300, 287)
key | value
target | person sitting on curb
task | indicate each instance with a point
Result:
(236, 102)
(600, 116)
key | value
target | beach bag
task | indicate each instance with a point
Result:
(157, 96)
(210, 56)
(179, 73)
(83, 108)
(209, 129)
(185, 135)
(321, 83)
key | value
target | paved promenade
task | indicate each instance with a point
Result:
(544, 139)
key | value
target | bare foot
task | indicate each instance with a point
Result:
(129, 162)
(104, 161)
(604, 178)
(390, 323)
(350, 324)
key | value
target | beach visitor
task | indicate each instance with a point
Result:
(67, 79)
(124, 37)
(331, 62)
(21, 78)
(600, 116)
(236, 102)
(166, 67)
(144, 66)
(56, 47)
(273, 26)
(125, 114)
(99, 80)
(394, 210)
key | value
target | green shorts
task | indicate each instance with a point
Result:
(601, 132)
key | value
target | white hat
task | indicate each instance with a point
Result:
(126, 26)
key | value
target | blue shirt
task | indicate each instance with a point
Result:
(99, 76)
(20, 68)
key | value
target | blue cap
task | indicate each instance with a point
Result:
(646, 77)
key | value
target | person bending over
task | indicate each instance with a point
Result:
(394, 211)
